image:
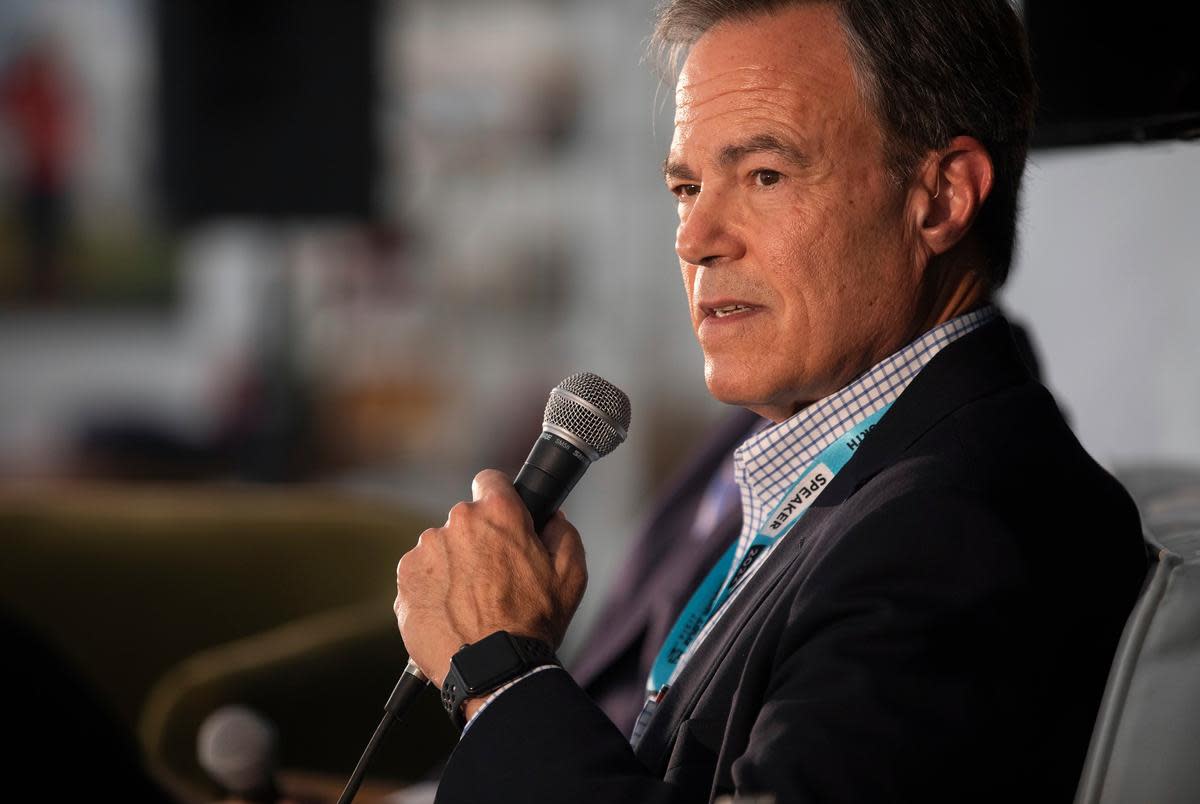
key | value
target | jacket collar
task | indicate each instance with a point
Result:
(974, 366)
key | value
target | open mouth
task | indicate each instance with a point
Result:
(728, 310)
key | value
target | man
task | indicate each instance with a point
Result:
(932, 574)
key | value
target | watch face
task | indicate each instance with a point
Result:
(488, 663)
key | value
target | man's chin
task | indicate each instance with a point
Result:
(739, 388)
(726, 388)
(731, 391)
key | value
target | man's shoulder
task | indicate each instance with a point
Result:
(1003, 478)
(1013, 450)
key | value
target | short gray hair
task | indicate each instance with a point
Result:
(931, 70)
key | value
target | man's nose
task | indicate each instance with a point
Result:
(708, 230)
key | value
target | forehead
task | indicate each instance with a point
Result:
(788, 69)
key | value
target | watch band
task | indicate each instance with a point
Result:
(481, 667)
(535, 652)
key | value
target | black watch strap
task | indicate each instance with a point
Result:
(534, 652)
(484, 666)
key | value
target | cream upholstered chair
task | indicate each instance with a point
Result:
(1146, 744)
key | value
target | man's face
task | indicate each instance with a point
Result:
(798, 262)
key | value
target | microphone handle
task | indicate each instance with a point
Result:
(552, 469)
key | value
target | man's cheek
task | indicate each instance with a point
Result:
(689, 286)
(688, 274)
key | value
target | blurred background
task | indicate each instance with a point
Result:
(278, 277)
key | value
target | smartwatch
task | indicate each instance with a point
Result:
(490, 663)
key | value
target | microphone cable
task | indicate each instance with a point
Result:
(411, 682)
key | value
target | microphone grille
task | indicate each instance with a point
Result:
(238, 748)
(593, 409)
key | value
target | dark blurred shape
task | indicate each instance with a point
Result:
(173, 601)
(136, 449)
(1113, 73)
(63, 741)
(263, 434)
(267, 108)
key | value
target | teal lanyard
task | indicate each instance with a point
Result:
(723, 580)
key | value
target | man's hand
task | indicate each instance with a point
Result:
(486, 570)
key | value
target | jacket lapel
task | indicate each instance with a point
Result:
(680, 701)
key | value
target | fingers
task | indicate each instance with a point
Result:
(565, 546)
(561, 537)
(486, 570)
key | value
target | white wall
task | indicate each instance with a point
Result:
(1107, 279)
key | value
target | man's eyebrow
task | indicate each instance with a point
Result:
(732, 154)
(762, 143)
(677, 170)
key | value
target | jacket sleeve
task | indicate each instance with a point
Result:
(544, 740)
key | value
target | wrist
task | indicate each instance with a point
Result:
(482, 667)
(471, 706)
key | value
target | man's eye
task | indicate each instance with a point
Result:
(765, 178)
(682, 190)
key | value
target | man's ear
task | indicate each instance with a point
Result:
(949, 191)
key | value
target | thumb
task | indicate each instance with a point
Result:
(490, 480)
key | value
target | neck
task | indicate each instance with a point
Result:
(967, 290)
(963, 291)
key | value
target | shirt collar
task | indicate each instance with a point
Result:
(769, 461)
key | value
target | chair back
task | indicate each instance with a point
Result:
(1146, 744)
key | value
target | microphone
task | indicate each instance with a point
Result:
(586, 418)
(239, 749)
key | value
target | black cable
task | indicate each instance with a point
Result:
(411, 682)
